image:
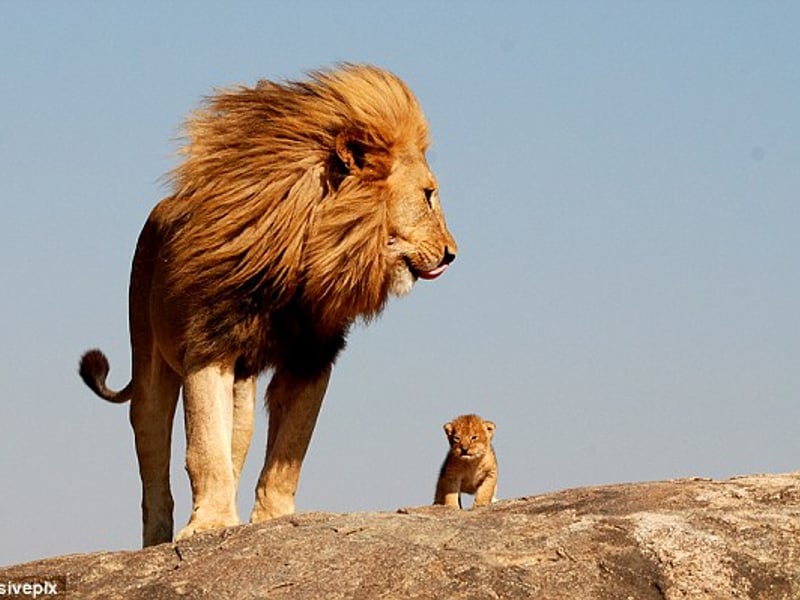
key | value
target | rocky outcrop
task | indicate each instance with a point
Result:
(691, 538)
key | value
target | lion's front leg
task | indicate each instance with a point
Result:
(294, 404)
(208, 406)
(244, 400)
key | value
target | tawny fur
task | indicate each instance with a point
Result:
(299, 208)
(470, 466)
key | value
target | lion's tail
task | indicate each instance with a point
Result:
(94, 370)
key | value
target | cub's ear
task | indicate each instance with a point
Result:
(448, 429)
(489, 426)
(351, 152)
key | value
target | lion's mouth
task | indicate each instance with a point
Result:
(433, 273)
(420, 274)
(429, 274)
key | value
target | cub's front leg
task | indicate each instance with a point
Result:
(448, 489)
(486, 491)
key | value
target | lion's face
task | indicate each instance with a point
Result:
(419, 243)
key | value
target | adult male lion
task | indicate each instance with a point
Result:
(299, 208)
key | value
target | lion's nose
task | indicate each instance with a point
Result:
(448, 256)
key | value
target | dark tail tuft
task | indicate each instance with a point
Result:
(94, 370)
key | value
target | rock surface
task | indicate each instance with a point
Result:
(690, 538)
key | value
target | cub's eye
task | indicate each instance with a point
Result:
(456, 438)
(429, 196)
(474, 438)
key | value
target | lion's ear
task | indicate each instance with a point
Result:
(351, 152)
(448, 429)
(489, 428)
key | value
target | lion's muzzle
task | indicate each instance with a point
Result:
(441, 267)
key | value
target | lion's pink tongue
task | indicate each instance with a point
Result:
(434, 273)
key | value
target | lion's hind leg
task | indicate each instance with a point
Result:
(155, 395)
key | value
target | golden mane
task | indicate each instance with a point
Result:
(266, 215)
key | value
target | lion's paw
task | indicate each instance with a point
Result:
(199, 526)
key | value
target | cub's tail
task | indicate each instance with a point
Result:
(94, 370)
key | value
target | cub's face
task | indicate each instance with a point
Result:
(470, 436)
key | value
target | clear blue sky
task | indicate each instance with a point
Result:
(623, 179)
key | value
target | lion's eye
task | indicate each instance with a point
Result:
(456, 438)
(429, 196)
(474, 438)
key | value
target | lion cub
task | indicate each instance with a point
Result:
(470, 466)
